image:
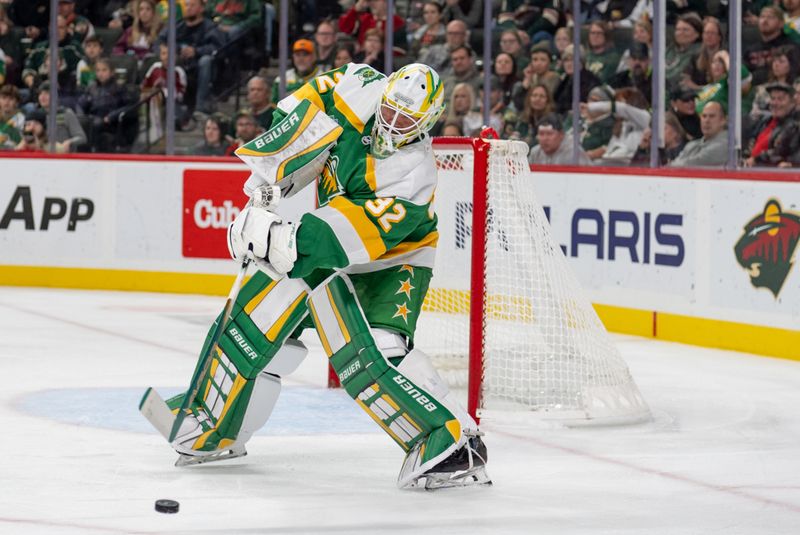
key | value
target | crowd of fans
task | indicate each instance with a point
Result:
(112, 58)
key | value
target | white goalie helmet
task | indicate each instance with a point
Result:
(410, 105)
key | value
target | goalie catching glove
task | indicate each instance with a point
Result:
(259, 234)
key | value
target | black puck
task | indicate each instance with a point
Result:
(167, 506)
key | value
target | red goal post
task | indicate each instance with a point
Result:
(504, 320)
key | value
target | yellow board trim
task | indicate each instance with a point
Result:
(320, 331)
(757, 339)
(338, 315)
(274, 331)
(362, 224)
(255, 301)
(344, 109)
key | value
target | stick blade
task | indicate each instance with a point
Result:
(157, 412)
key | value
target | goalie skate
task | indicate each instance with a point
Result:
(189, 460)
(463, 468)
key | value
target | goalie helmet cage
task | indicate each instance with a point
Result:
(504, 317)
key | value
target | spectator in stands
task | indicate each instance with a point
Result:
(368, 14)
(505, 69)
(784, 67)
(682, 104)
(305, 68)
(120, 13)
(213, 143)
(642, 33)
(758, 55)
(469, 11)
(12, 121)
(162, 10)
(372, 53)
(69, 135)
(34, 133)
(554, 147)
(431, 33)
(196, 39)
(344, 54)
(93, 49)
(698, 71)
(797, 93)
(246, 131)
(717, 90)
(258, 100)
(629, 109)
(639, 73)
(624, 13)
(537, 72)
(438, 56)
(497, 110)
(563, 94)
(792, 17)
(462, 110)
(602, 58)
(462, 69)
(103, 102)
(140, 38)
(68, 49)
(539, 18)
(511, 43)
(561, 41)
(674, 142)
(235, 18)
(9, 48)
(712, 148)
(775, 138)
(538, 105)
(32, 15)
(155, 85)
(452, 130)
(78, 26)
(598, 126)
(325, 44)
(686, 45)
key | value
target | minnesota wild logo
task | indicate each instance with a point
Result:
(329, 179)
(367, 75)
(765, 249)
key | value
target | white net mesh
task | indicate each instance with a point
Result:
(545, 350)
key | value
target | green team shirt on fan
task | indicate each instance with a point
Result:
(375, 215)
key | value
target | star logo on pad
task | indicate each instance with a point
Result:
(408, 268)
(402, 311)
(405, 287)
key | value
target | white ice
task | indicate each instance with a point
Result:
(722, 454)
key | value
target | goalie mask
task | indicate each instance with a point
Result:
(410, 105)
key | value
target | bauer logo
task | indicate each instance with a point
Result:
(766, 247)
(211, 200)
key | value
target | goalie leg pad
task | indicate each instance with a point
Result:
(413, 417)
(255, 341)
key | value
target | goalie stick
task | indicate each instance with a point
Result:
(152, 406)
(155, 409)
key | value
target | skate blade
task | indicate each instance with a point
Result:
(190, 460)
(473, 477)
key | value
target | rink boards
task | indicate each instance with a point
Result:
(695, 256)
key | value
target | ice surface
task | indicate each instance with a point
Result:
(722, 454)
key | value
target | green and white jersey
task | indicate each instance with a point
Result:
(374, 213)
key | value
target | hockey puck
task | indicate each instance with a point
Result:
(167, 506)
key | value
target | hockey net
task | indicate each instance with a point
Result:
(514, 325)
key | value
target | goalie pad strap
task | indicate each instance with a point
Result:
(404, 410)
(293, 152)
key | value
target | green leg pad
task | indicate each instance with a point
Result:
(405, 411)
(264, 315)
